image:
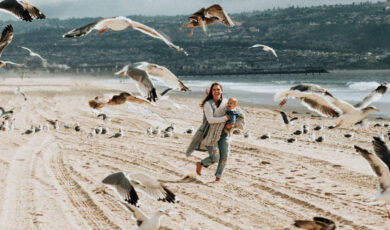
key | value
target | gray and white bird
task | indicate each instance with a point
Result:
(171, 128)
(92, 133)
(349, 135)
(33, 54)
(266, 48)
(105, 130)
(265, 136)
(19, 91)
(30, 131)
(149, 131)
(77, 127)
(321, 138)
(21, 9)
(98, 130)
(127, 185)
(247, 134)
(120, 23)
(105, 117)
(156, 130)
(379, 163)
(190, 130)
(143, 221)
(118, 134)
(46, 127)
(307, 88)
(168, 133)
(142, 72)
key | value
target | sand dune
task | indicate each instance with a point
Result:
(46, 179)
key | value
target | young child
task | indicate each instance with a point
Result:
(233, 112)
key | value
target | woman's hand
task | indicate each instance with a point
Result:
(228, 117)
(229, 125)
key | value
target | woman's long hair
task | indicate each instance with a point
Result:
(210, 95)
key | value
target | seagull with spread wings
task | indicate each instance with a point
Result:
(379, 163)
(312, 101)
(33, 54)
(127, 184)
(118, 100)
(21, 9)
(120, 23)
(5, 40)
(266, 48)
(205, 17)
(142, 72)
(305, 88)
(143, 221)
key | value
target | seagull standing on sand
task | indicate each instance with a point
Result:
(21, 9)
(379, 163)
(92, 133)
(118, 134)
(77, 127)
(205, 17)
(33, 54)
(266, 48)
(141, 73)
(127, 184)
(143, 221)
(117, 24)
(265, 136)
(318, 223)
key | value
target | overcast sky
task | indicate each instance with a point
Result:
(106, 8)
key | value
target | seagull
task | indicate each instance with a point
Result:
(105, 130)
(304, 129)
(30, 131)
(104, 117)
(299, 132)
(205, 17)
(21, 9)
(318, 127)
(39, 128)
(312, 137)
(141, 73)
(168, 133)
(312, 101)
(33, 54)
(19, 91)
(4, 112)
(143, 221)
(98, 130)
(349, 135)
(156, 130)
(308, 88)
(265, 136)
(118, 100)
(321, 138)
(5, 40)
(118, 134)
(318, 223)
(66, 126)
(266, 48)
(171, 128)
(46, 127)
(149, 131)
(190, 130)
(286, 119)
(291, 140)
(77, 127)
(126, 186)
(92, 133)
(4, 63)
(117, 24)
(379, 163)
(247, 134)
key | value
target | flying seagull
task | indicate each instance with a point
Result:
(21, 9)
(205, 17)
(143, 221)
(4, 63)
(117, 24)
(33, 54)
(318, 223)
(117, 100)
(126, 186)
(141, 73)
(285, 118)
(266, 48)
(380, 163)
(312, 101)
(305, 88)
(5, 40)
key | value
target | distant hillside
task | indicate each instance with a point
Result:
(334, 37)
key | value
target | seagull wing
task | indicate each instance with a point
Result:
(165, 75)
(284, 116)
(257, 45)
(378, 166)
(308, 88)
(34, 12)
(153, 33)
(123, 186)
(217, 11)
(6, 37)
(16, 9)
(138, 100)
(34, 54)
(84, 30)
(381, 150)
(138, 215)
(141, 78)
(13, 63)
(344, 106)
(312, 101)
(152, 188)
(375, 95)
(319, 223)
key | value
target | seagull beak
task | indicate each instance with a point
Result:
(283, 102)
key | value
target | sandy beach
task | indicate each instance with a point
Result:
(46, 179)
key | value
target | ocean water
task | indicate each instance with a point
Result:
(350, 86)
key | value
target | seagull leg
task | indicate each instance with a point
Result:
(192, 31)
(283, 102)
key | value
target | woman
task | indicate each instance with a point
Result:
(210, 135)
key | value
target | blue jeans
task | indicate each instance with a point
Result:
(223, 146)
